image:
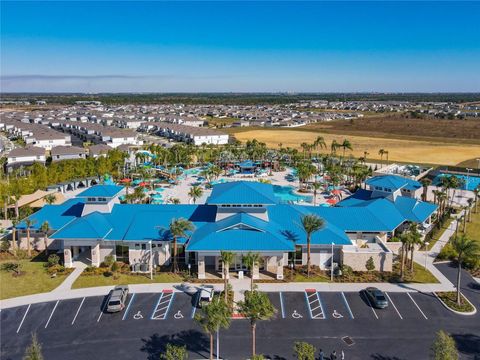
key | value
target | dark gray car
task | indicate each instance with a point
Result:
(117, 299)
(376, 297)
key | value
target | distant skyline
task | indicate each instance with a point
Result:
(231, 46)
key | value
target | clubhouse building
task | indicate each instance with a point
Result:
(241, 217)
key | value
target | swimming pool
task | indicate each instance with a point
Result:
(286, 194)
(469, 183)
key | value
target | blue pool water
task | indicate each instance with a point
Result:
(470, 183)
(286, 194)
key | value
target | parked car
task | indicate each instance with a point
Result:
(188, 288)
(206, 295)
(376, 297)
(117, 298)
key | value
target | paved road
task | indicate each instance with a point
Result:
(79, 329)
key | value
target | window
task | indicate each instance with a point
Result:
(137, 246)
(144, 246)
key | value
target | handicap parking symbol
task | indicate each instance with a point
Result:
(138, 315)
(178, 315)
(337, 315)
(296, 315)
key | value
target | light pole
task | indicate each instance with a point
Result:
(218, 346)
(331, 266)
(478, 166)
(189, 267)
(426, 254)
(151, 260)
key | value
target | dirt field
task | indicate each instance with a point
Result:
(415, 151)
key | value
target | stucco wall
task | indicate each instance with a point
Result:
(356, 260)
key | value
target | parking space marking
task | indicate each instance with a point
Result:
(347, 306)
(78, 310)
(371, 307)
(102, 310)
(23, 319)
(314, 304)
(418, 307)
(48, 321)
(156, 306)
(163, 305)
(128, 307)
(281, 305)
(194, 309)
(398, 312)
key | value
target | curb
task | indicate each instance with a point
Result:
(473, 312)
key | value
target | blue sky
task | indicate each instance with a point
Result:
(197, 46)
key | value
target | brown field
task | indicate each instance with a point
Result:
(405, 150)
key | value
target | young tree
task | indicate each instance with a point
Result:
(370, 264)
(311, 223)
(50, 199)
(178, 228)
(34, 350)
(214, 316)
(304, 350)
(14, 237)
(444, 347)
(227, 258)
(174, 352)
(464, 248)
(28, 224)
(251, 260)
(256, 307)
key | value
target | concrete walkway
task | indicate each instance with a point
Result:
(66, 285)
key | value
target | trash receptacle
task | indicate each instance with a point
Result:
(240, 274)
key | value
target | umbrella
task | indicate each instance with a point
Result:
(336, 192)
(125, 180)
(332, 201)
(144, 184)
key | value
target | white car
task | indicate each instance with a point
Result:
(206, 295)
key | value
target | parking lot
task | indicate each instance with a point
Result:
(308, 313)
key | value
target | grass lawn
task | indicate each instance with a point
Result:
(420, 276)
(473, 227)
(121, 279)
(450, 299)
(34, 280)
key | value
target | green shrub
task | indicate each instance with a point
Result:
(108, 261)
(11, 267)
(346, 270)
(5, 245)
(107, 273)
(53, 260)
(370, 264)
(115, 267)
(56, 269)
(447, 252)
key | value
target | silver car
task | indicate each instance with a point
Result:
(117, 299)
(206, 295)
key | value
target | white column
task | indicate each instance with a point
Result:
(96, 255)
(67, 257)
(201, 266)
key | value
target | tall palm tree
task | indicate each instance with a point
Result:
(14, 233)
(346, 144)
(415, 240)
(381, 152)
(405, 239)
(195, 193)
(45, 228)
(178, 229)
(465, 248)
(251, 260)
(425, 183)
(28, 224)
(316, 187)
(311, 223)
(213, 317)
(256, 307)
(334, 146)
(226, 257)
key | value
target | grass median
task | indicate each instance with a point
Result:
(85, 281)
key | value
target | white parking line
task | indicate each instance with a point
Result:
(371, 307)
(102, 310)
(23, 319)
(418, 307)
(78, 310)
(398, 312)
(347, 305)
(194, 308)
(128, 307)
(48, 321)
(281, 305)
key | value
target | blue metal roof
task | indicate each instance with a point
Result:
(92, 226)
(393, 182)
(101, 191)
(414, 210)
(242, 192)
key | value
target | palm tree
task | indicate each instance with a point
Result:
(346, 145)
(50, 199)
(464, 248)
(256, 307)
(365, 154)
(213, 317)
(316, 186)
(28, 224)
(311, 223)
(178, 228)
(251, 260)
(45, 227)
(227, 258)
(405, 239)
(415, 240)
(425, 183)
(14, 233)
(469, 209)
(334, 146)
(381, 152)
(195, 192)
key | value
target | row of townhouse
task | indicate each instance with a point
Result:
(189, 134)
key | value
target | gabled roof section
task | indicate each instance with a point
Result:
(92, 226)
(394, 182)
(242, 192)
(101, 191)
(414, 210)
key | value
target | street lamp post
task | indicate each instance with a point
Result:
(331, 266)
(426, 254)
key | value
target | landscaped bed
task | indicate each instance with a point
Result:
(450, 299)
(33, 278)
